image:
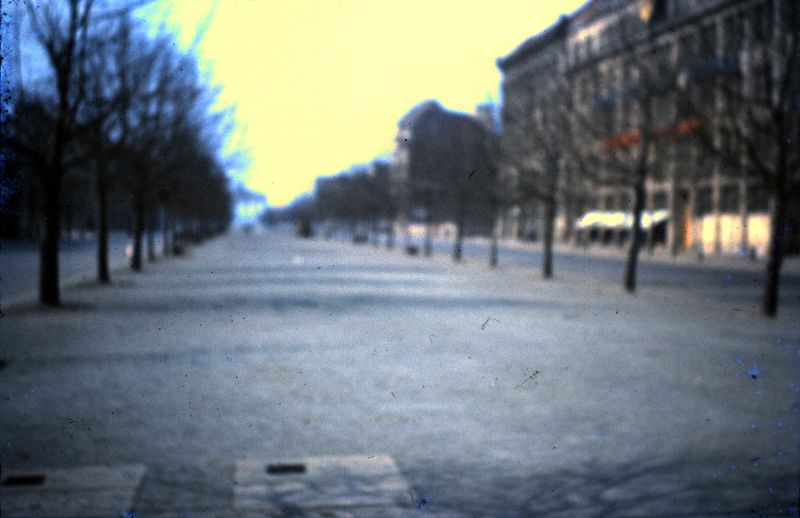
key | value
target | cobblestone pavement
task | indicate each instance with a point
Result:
(481, 393)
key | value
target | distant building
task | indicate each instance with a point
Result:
(434, 156)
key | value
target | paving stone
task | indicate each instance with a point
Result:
(81, 492)
(186, 489)
(346, 481)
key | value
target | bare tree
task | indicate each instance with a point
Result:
(469, 161)
(536, 141)
(541, 151)
(616, 132)
(95, 139)
(747, 102)
(62, 32)
(125, 106)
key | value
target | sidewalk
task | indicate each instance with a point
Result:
(434, 389)
(791, 264)
(19, 265)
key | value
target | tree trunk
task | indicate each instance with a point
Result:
(569, 219)
(390, 237)
(67, 221)
(459, 242)
(166, 246)
(428, 248)
(638, 197)
(549, 230)
(102, 229)
(775, 254)
(151, 236)
(138, 230)
(676, 218)
(175, 243)
(636, 232)
(494, 246)
(49, 289)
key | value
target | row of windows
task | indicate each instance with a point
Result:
(755, 24)
(757, 200)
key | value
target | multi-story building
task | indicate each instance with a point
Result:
(439, 171)
(636, 70)
(532, 88)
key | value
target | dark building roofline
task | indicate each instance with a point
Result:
(535, 43)
(593, 9)
(417, 111)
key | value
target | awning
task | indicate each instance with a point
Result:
(619, 220)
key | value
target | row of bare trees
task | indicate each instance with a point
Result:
(449, 172)
(688, 112)
(357, 202)
(695, 110)
(450, 176)
(125, 115)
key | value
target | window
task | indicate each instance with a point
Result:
(729, 198)
(659, 200)
(686, 46)
(761, 22)
(762, 77)
(757, 199)
(734, 31)
(708, 40)
(703, 205)
(625, 201)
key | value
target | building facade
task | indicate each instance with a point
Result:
(630, 71)
(442, 169)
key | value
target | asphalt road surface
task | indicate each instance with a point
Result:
(736, 281)
(495, 393)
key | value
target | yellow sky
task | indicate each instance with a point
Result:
(319, 85)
